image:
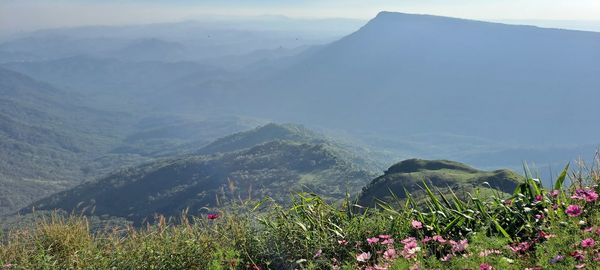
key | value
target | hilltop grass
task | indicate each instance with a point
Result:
(535, 228)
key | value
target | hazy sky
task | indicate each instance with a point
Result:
(25, 15)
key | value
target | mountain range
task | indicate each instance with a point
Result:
(272, 160)
(91, 105)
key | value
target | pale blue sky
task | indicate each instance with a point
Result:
(25, 15)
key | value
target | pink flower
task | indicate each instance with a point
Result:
(212, 216)
(416, 224)
(408, 240)
(438, 238)
(573, 210)
(343, 242)
(578, 255)
(385, 236)
(557, 259)
(381, 267)
(447, 258)
(415, 267)
(459, 246)
(390, 254)
(539, 216)
(538, 198)
(554, 193)
(318, 254)
(485, 266)
(520, 247)
(580, 266)
(387, 241)
(589, 195)
(488, 252)
(363, 257)
(589, 242)
(372, 240)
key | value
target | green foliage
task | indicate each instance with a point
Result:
(449, 233)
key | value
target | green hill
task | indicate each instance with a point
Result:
(45, 139)
(276, 168)
(441, 174)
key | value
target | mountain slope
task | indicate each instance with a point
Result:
(425, 74)
(442, 174)
(45, 138)
(273, 169)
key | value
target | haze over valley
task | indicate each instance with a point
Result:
(180, 112)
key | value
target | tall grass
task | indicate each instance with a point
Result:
(532, 228)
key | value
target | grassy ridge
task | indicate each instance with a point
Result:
(535, 228)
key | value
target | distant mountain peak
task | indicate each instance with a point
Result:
(261, 134)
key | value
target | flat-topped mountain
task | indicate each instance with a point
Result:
(430, 74)
(409, 175)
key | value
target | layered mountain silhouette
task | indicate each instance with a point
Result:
(273, 161)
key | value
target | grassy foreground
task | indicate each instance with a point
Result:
(537, 228)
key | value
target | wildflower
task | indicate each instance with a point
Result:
(557, 259)
(554, 193)
(390, 254)
(372, 240)
(589, 195)
(580, 266)
(520, 247)
(539, 216)
(416, 224)
(459, 246)
(488, 252)
(381, 267)
(578, 255)
(410, 248)
(318, 254)
(415, 267)
(408, 240)
(212, 216)
(588, 242)
(597, 257)
(447, 258)
(545, 235)
(343, 242)
(384, 236)
(439, 239)
(538, 198)
(573, 210)
(363, 257)
(387, 241)
(426, 239)
(485, 266)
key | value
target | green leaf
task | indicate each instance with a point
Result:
(561, 178)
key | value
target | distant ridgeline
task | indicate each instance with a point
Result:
(409, 176)
(273, 160)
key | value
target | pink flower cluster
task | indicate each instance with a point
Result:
(588, 195)
(383, 245)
